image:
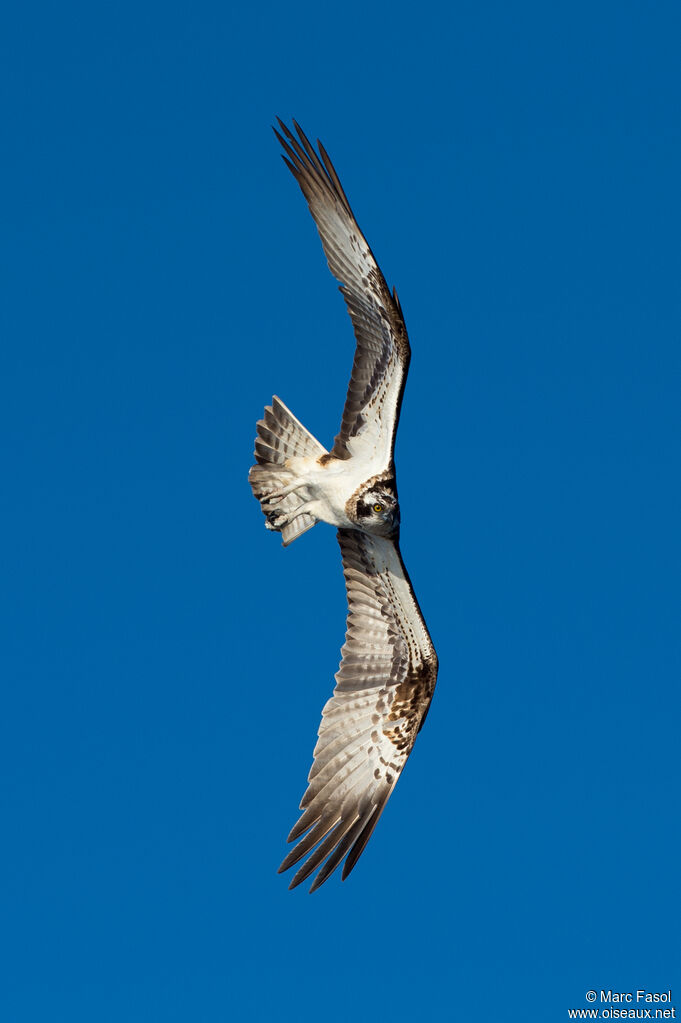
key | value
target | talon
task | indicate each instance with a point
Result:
(278, 495)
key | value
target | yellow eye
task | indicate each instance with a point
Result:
(378, 507)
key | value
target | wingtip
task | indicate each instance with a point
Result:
(289, 165)
(301, 134)
(285, 129)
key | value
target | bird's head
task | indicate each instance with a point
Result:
(377, 511)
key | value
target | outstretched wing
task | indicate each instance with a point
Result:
(379, 370)
(383, 691)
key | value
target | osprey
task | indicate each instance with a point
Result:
(389, 666)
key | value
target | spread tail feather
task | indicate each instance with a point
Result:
(280, 437)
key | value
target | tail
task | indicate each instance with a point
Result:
(281, 437)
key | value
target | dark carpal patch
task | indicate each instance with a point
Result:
(412, 699)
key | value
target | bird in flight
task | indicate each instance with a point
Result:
(388, 669)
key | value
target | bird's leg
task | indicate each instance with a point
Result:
(278, 495)
(277, 520)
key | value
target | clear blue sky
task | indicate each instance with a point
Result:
(164, 661)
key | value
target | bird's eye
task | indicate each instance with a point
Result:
(378, 507)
